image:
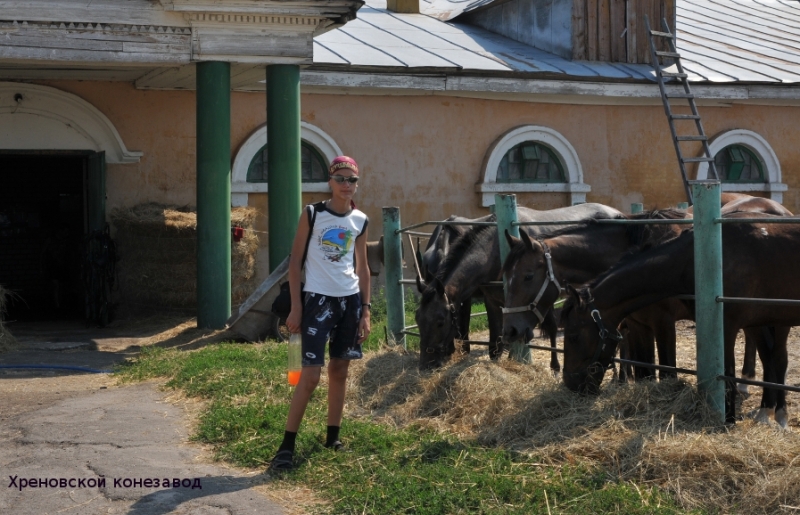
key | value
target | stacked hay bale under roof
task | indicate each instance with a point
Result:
(7, 340)
(157, 249)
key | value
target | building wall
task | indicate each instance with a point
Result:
(425, 153)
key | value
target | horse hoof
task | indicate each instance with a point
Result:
(763, 415)
(556, 374)
(782, 419)
(743, 391)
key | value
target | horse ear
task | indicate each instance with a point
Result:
(574, 294)
(526, 239)
(445, 248)
(512, 241)
(420, 285)
(439, 285)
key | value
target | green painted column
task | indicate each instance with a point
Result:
(213, 194)
(393, 268)
(683, 205)
(506, 211)
(283, 161)
(708, 286)
(637, 207)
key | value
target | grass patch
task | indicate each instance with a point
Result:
(390, 469)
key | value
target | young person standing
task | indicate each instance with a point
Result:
(334, 305)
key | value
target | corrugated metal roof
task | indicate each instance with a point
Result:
(380, 38)
(719, 40)
(740, 40)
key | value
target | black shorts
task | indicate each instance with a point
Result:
(334, 318)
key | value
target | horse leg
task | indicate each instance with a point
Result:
(761, 339)
(463, 323)
(749, 363)
(550, 326)
(729, 338)
(642, 348)
(780, 362)
(666, 340)
(624, 349)
(494, 312)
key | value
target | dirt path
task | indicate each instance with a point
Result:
(64, 424)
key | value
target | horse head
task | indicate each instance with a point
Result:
(532, 288)
(589, 346)
(437, 321)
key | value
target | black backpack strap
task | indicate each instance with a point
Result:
(311, 211)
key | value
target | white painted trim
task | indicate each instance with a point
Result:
(762, 149)
(70, 110)
(535, 90)
(311, 134)
(546, 136)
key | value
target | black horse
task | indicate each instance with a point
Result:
(758, 262)
(471, 262)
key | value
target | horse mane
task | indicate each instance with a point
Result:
(458, 248)
(640, 236)
(646, 235)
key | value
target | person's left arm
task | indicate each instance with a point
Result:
(362, 271)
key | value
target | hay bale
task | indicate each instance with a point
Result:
(157, 246)
(7, 340)
(656, 433)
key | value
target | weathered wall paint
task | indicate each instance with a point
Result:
(424, 153)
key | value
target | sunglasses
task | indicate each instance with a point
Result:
(341, 178)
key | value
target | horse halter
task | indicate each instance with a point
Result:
(453, 322)
(550, 276)
(605, 336)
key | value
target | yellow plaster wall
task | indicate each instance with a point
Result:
(424, 153)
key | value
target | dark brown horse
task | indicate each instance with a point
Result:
(577, 255)
(758, 262)
(534, 269)
(472, 261)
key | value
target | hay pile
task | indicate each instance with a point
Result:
(7, 340)
(657, 434)
(157, 246)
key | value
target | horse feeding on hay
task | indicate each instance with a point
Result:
(427, 266)
(757, 263)
(470, 262)
(577, 255)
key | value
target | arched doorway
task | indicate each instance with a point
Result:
(53, 151)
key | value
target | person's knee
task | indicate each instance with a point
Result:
(337, 369)
(309, 378)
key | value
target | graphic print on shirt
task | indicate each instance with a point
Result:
(335, 242)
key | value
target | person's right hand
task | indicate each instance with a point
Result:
(294, 320)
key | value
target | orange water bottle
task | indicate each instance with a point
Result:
(295, 358)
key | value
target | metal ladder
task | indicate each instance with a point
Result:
(687, 95)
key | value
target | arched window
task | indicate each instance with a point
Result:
(249, 173)
(745, 163)
(312, 165)
(737, 163)
(532, 159)
(530, 162)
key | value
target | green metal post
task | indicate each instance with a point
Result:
(213, 194)
(506, 211)
(393, 267)
(283, 159)
(637, 207)
(683, 205)
(708, 286)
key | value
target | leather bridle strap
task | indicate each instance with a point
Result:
(550, 277)
(605, 336)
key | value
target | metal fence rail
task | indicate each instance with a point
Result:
(708, 296)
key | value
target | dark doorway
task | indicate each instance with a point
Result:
(42, 226)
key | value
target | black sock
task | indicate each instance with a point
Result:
(333, 435)
(288, 441)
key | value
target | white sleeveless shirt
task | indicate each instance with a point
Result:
(330, 261)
